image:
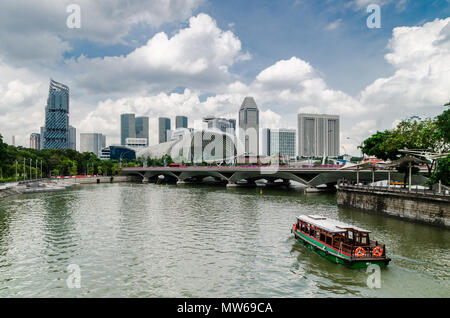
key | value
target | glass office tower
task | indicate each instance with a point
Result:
(127, 127)
(181, 122)
(164, 126)
(56, 132)
(142, 128)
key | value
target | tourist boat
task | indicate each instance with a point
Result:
(339, 242)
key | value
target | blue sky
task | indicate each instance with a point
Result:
(201, 57)
(350, 56)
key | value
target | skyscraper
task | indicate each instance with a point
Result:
(164, 126)
(72, 138)
(133, 127)
(249, 126)
(265, 151)
(181, 122)
(56, 132)
(35, 141)
(142, 128)
(127, 127)
(92, 142)
(318, 135)
(279, 142)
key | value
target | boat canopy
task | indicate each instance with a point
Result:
(329, 225)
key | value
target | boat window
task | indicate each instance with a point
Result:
(328, 240)
(322, 237)
(363, 240)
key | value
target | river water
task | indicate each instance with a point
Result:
(147, 240)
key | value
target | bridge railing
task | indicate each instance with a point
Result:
(395, 189)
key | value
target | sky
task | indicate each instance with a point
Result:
(162, 58)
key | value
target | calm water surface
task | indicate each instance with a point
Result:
(145, 240)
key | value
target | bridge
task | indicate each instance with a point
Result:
(310, 177)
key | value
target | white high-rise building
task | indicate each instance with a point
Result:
(92, 142)
(35, 141)
(318, 135)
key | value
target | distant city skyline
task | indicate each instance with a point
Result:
(307, 57)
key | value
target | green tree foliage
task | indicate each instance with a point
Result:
(377, 145)
(443, 124)
(413, 133)
(57, 162)
(442, 172)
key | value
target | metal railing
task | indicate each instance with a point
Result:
(395, 189)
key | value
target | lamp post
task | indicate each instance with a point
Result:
(16, 170)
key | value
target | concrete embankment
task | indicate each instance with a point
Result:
(419, 207)
(52, 185)
(6, 192)
(100, 179)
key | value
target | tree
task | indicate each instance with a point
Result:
(376, 145)
(443, 124)
(442, 172)
(3, 148)
(412, 133)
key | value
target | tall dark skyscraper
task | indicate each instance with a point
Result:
(133, 127)
(56, 132)
(249, 126)
(127, 127)
(181, 122)
(164, 126)
(142, 128)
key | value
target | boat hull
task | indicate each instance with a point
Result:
(335, 256)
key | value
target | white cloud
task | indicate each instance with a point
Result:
(37, 30)
(197, 56)
(421, 58)
(334, 25)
